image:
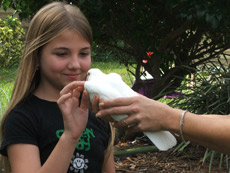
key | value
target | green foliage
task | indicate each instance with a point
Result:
(212, 156)
(103, 55)
(4, 100)
(11, 41)
(7, 77)
(208, 92)
(180, 33)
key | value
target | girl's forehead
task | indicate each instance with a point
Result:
(69, 38)
(68, 35)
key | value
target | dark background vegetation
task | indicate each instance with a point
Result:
(180, 33)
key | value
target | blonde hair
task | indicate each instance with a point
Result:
(48, 23)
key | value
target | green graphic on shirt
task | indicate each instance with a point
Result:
(84, 142)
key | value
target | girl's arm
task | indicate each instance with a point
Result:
(108, 165)
(25, 158)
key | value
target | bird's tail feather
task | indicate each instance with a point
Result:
(163, 140)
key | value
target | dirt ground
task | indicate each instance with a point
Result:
(186, 161)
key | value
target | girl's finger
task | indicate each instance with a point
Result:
(86, 99)
(63, 98)
(76, 93)
(73, 85)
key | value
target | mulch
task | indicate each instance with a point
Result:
(189, 160)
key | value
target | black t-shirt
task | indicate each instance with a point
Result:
(39, 122)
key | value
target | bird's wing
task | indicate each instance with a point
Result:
(112, 86)
(103, 90)
(162, 139)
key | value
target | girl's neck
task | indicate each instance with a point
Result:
(45, 94)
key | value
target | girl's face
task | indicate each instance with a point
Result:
(65, 59)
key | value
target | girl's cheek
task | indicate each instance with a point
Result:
(87, 64)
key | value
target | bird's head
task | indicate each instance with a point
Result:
(92, 73)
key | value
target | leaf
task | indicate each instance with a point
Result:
(206, 155)
(5, 4)
(211, 160)
(221, 160)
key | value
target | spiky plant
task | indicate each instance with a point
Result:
(207, 92)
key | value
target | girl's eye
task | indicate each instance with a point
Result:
(84, 53)
(61, 54)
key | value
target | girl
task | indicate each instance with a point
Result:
(37, 136)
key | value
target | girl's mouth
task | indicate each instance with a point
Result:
(72, 76)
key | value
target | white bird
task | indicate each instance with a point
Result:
(110, 86)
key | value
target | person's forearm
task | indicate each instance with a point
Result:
(211, 131)
(59, 159)
(215, 116)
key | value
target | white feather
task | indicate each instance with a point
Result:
(110, 86)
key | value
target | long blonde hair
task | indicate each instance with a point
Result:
(48, 23)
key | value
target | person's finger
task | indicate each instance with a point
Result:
(73, 85)
(63, 98)
(76, 93)
(95, 102)
(107, 119)
(80, 88)
(126, 123)
(122, 110)
(124, 101)
(84, 100)
(133, 129)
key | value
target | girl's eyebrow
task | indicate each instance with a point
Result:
(65, 48)
(56, 48)
(86, 48)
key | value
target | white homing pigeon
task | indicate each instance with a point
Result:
(110, 86)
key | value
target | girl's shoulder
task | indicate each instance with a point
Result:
(33, 108)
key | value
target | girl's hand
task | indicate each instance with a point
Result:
(94, 105)
(75, 116)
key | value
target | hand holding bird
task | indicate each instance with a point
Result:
(111, 86)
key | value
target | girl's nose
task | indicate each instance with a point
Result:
(74, 62)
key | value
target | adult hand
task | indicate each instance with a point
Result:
(94, 105)
(144, 114)
(75, 117)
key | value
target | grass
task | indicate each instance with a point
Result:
(7, 77)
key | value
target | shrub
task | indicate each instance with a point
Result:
(11, 41)
(208, 92)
